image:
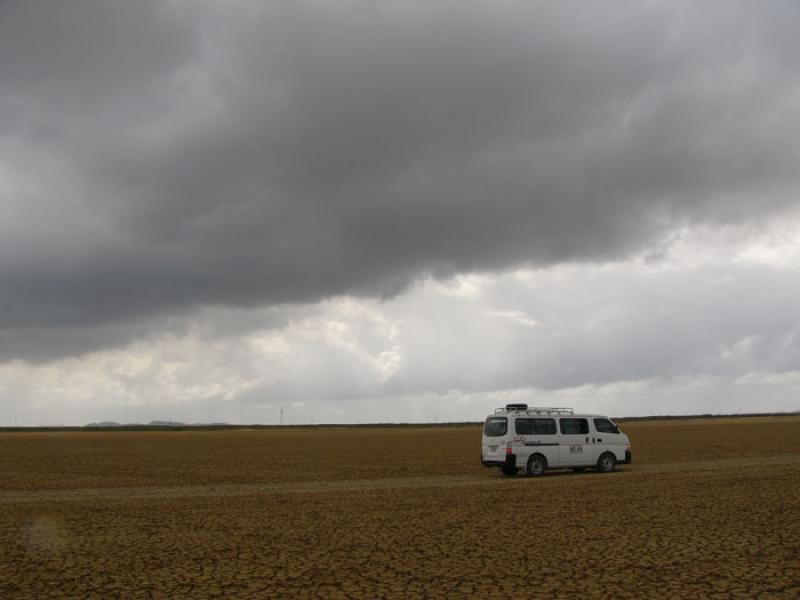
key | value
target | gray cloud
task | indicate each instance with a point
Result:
(160, 157)
(625, 339)
(590, 328)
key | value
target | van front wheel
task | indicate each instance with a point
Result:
(537, 465)
(607, 463)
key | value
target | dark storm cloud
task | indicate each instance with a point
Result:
(157, 157)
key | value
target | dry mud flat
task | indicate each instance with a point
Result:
(301, 514)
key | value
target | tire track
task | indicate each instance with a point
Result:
(321, 487)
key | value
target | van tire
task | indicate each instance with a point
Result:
(537, 465)
(607, 462)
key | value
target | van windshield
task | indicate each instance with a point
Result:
(605, 426)
(495, 426)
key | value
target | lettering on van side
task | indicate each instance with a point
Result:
(576, 448)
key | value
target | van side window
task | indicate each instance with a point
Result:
(495, 426)
(574, 426)
(524, 426)
(605, 426)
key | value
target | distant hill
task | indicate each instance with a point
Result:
(109, 424)
(177, 425)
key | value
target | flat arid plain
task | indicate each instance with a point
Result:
(709, 509)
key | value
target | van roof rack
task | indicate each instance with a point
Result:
(534, 410)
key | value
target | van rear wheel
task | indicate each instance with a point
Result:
(537, 465)
(607, 463)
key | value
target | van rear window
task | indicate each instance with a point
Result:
(495, 426)
(535, 426)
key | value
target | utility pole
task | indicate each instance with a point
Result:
(281, 415)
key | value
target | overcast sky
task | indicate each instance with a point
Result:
(397, 211)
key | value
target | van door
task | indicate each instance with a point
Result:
(607, 437)
(494, 440)
(538, 435)
(575, 442)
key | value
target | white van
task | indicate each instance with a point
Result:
(536, 439)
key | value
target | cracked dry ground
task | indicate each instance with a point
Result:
(709, 509)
